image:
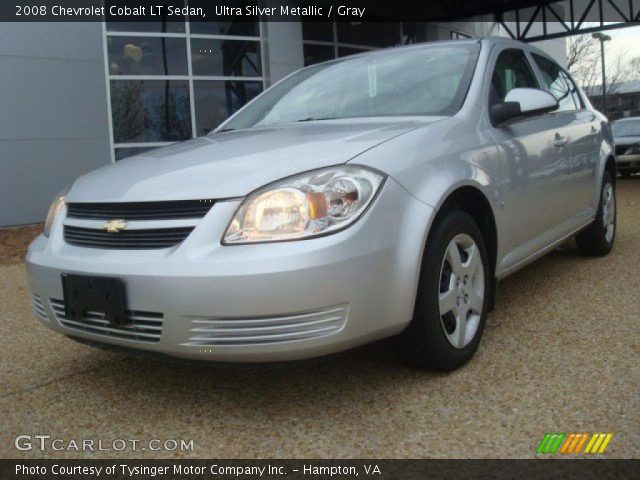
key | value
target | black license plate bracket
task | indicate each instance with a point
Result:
(84, 293)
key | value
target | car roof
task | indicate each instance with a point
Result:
(413, 46)
(486, 41)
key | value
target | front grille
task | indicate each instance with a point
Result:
(169, 210)
(266, 330)
(621, 149)
(624, 164)
(140, 326)
(127, 239)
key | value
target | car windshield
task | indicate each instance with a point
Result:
(626, 128)
(429, 80)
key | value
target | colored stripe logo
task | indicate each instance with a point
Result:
(574, 443)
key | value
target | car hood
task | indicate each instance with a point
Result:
(232, 164)
(624, 141)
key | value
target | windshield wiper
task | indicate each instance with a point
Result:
(316, 119)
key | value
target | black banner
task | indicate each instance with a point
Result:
(296, 10)
(306, 469)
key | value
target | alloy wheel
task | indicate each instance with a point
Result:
(608, 211)
(461, 295)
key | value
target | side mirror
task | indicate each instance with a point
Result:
(522, 103)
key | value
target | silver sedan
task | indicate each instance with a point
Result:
(379, 195)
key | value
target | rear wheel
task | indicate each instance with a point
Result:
(453, 293)
(599, 237)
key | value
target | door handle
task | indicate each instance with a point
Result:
(559, 141)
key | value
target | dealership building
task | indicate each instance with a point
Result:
(76, 96)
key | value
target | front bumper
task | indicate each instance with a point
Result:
(249, 303)
(628, 163)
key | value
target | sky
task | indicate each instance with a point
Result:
(624, 40)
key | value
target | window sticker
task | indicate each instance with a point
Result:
(373, 83)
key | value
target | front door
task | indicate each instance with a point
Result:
(585, 135)
(536, 163)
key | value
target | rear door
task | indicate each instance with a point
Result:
(585, 137)
(535, 161)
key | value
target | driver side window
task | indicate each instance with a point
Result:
(512, 70)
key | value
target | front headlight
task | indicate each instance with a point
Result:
(54, 210)
(314, 203)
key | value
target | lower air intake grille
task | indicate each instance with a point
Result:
(128, 239)
(267, 330)
(141, 326)
(38, 307)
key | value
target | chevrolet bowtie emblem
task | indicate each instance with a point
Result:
(115, 226)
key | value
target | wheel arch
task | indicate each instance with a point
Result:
(610, 166)
(473, 201)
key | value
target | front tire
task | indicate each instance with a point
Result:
(453, 296)
(598, 238)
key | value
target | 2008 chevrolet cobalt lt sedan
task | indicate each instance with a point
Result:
(379, 195)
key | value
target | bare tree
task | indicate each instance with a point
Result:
(581, 51)
(622, 71)
(583, 61)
